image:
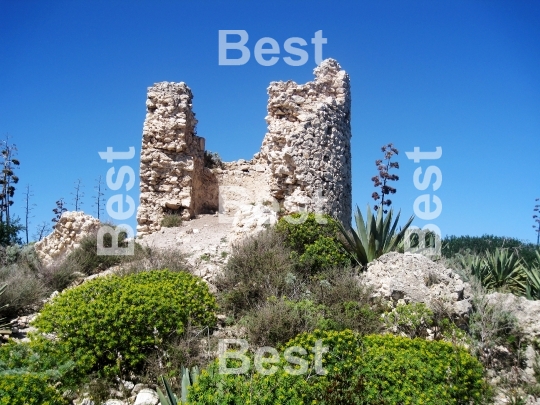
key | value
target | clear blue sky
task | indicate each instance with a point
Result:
(462, 75)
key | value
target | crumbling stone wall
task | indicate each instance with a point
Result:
(304, 163)
(307, 147)
(172, 170)
(72, 227)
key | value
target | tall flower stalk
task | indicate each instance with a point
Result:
(382, 179)
(536, 226)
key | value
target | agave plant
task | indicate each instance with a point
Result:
(533, 279)
(188, 378)
(374, 237)
(506, 271)
(476, 264)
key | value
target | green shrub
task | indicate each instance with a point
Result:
(171, 221)
(348, 303)
(300, 235)
(410, 319)
(114, 322)
(28, 389)
(333, 300)
(24, 293)
(324, 253)
(43, 357)
(257, 269)
(360, 370)
(279, 320)
(316, 245)
(85, 259)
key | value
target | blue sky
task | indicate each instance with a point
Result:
(462, 75)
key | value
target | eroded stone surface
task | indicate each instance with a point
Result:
(415, 278)
(172, 173)
(72, 227)
(304, 163)
(307, 147)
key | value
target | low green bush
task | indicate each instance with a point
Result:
(171, 221)
(324, 253)
(256, 270)
(24, 293)
(301, 230)
(28, 389)
(40, 355)
(315, 245)
(113, 322)
(375, 369)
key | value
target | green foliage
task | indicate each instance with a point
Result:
(293, 303)
(315, 245)
(85, 259)
(452, 245)
(113, 322)
(533, 279)
(411, 319)
(374, 237)
(324, 253)
(257, 269)
(303, 229)
(506, 272)
(28, 389)
(497, 270)
(41, 356)
(171, 221)
(279, 320)
(360, 370)
(9, 232)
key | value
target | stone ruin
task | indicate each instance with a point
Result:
(304, 163)
(68, 232)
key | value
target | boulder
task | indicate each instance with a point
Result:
(415, 278)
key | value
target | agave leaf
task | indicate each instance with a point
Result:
(374, 236)
(163, 400)
(170, 393)
(185, 386)
(506, 271)
(194, 374)
(533, 279)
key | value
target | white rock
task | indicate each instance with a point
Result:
(146, 396)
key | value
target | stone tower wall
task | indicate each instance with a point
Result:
(307, 147)
(304, 163)
(172, 159)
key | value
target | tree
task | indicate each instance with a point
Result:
(9, 227)
(99, 201)
(7, 179)
(42, 230)
(78, 194)
(59, 210)
(384, 165)
(27, 209)
(537, 220)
